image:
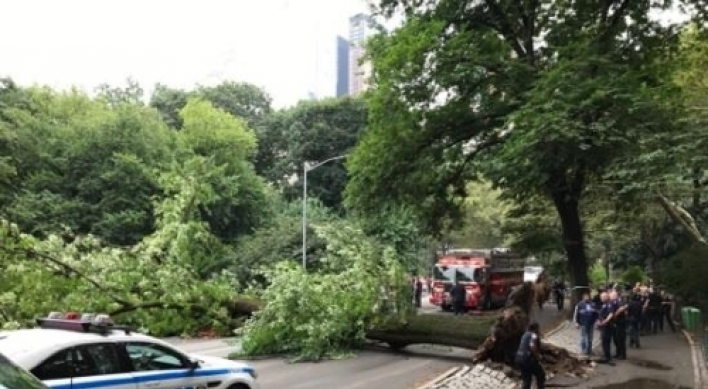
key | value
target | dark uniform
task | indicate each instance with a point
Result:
(634, 318)
(418, 293)
(606, 331)
(654, 311)
(527, 362)
(458, 293)
(597, 301)
(559, 292)
(619, 335)
(666, 304)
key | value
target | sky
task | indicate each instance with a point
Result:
(279, 45)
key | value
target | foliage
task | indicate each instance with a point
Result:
(242, 100)
(557, 101)
(145, 281)
(598, 274)
(633, 275)
(484, 218)
(280, 239)
(84, 165)
(314, 131)
(241, 197)
(685, 276)
(313, 315)
(123, 210)
(399, 228)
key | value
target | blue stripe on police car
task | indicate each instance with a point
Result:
(144, 377)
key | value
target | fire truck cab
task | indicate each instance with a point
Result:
(488, 275)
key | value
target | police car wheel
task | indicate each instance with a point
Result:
(239, 386)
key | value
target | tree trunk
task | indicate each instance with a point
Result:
(457, 331)
(567, 206)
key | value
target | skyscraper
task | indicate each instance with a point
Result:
(342, 67)
(360, 28)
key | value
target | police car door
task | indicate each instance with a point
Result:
(158, 367)
(86, 367)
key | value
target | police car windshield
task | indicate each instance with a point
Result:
(13, 377)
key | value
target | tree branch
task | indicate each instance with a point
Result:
(682, 217)
(148, 305)
(504, 28)
(67, 268)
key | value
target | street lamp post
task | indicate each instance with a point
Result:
(305, 169)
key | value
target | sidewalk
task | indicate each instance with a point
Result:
(668, 358)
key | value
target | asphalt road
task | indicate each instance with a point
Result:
(372, 368)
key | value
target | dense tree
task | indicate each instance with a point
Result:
(242, 201)
(484, 218)
(239, 99)
(541, 97)
(314, 131)
(85, 165)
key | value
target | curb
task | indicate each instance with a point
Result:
(700, 373)
(557, 329)
(442, 377)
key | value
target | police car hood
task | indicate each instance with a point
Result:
(209, 361)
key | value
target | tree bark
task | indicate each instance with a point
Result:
(567, 206)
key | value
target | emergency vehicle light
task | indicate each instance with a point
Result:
(88, 322)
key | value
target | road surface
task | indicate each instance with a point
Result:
(372, 368)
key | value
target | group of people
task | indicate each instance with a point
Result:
(621, 316)
(618, 314)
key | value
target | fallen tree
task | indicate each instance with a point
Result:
(495, 338)
(504, 338)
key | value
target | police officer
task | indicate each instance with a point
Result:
(559, 292)
(418, 292)
(619, 335)
(653, 310)
(585, 317)
(666, 307)
(634, 319)
(528, 358)
(606, 327)
(458, 293)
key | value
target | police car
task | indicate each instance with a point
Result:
(87, 351)
(15, 377)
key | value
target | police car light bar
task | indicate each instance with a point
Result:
(101, 324)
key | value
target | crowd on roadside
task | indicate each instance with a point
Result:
(623, 316)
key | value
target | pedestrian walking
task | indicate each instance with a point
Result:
(585, 317)
(619, 335)
(606, 328)
(458, 293)
(528, 358)
(634, 318)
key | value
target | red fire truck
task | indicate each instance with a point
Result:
(487, 274)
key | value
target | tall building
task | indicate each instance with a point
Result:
(342, 67)
(360, 29)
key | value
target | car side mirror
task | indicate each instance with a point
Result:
(194, 364)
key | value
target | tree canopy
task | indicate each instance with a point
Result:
(539, 97)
